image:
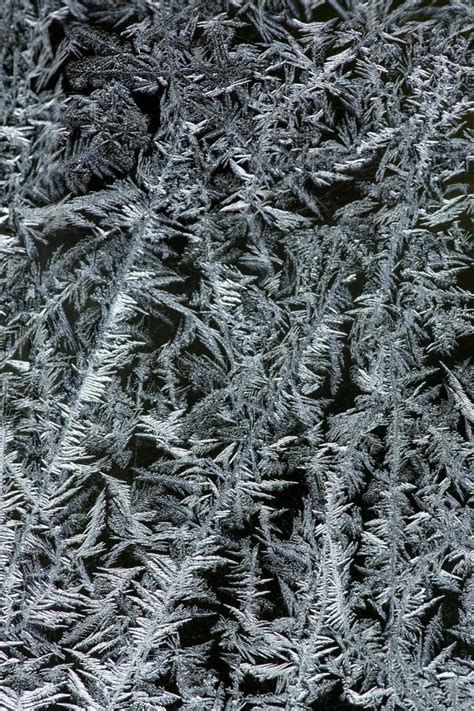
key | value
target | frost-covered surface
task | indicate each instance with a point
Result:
(237, 402)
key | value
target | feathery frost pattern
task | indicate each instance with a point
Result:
(237, 398)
